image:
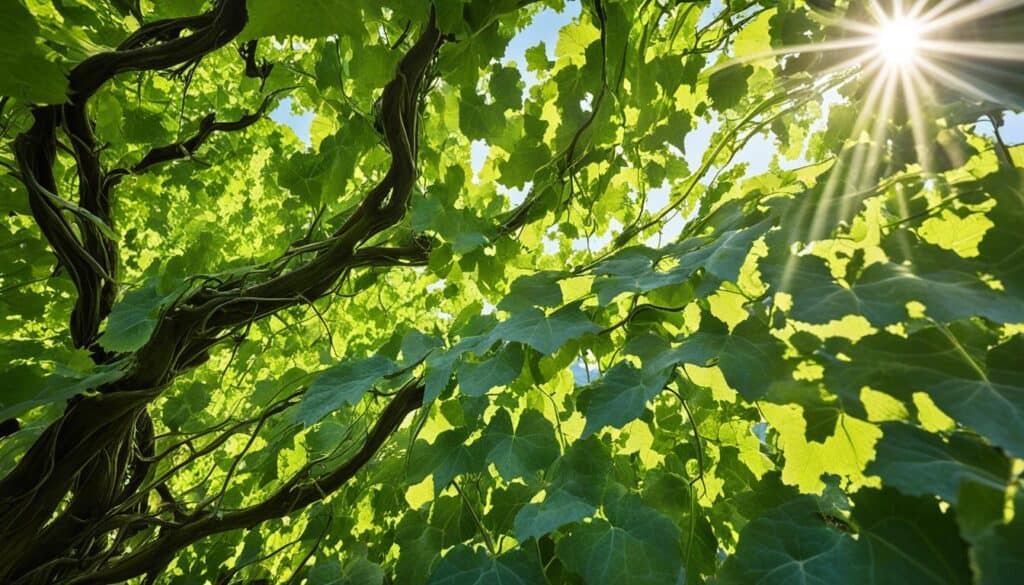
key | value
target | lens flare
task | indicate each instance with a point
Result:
(907, 51)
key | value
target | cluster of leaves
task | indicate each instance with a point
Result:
(609, 354)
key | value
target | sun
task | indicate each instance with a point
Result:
(898, 41)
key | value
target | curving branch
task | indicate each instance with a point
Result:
(91, 259)
(188, 147)
(254, 70)
(64, 459)
(96, 465)
(294, 495)
(82, 489)
(212, 31)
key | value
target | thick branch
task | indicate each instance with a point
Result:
(294, 496)
(219, 26)
(184, 334)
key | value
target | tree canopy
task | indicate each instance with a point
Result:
(684, 292)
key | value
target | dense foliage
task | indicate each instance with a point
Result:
(612, 353)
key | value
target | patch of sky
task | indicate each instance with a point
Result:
(598, 241)
(761, 431)
(585, 371)
(657, 198)
(515, 195)
(759, 151)
(1012, 129)
(291, 115)
(542, 29)
(586, 104)
(713, 11)
(478, 151)
(551, 240)
(698, 141)
(710, 13)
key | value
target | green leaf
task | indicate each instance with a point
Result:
(420, 547)
(505, 503)
(797, 543)
(750, 357)
(998, 554)
(674, 497)
(821, 409)
(445, 459)
(133, 319)
(727, 87)
(632, 270)
(545, 333)
(619, 397)
(27, 388)
(477, 118)
(882, 292)
(438, 374)
(533, 290)
(634, 545)
(506, 89)
(183, 406)
(476, 379)
(917, 462)
(793, 543)
(537, 58)
(466, 566)
(1002, 249)
(521, 452)
(306, 18)
(322, 176)
(583, 471)
(556, 510)
(453, 517)
(360, 571)
(911, 538)
(417, 346)
(982, 389)
(343, 383)
(29, 71)
(325, 572)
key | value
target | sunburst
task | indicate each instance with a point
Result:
(898, 41)
(907, 52)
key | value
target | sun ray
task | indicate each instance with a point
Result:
(847, 64)
(939, 9)
(835, 180)
(871, 155)
(979, 50)
(901, 50)
(956, 83)
(910, 83)
(876, 95)
(858, 43)
(877, 12)
(918, 7)
(862, 28)
(970, 11)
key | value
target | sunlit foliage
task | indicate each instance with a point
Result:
(691, 291)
